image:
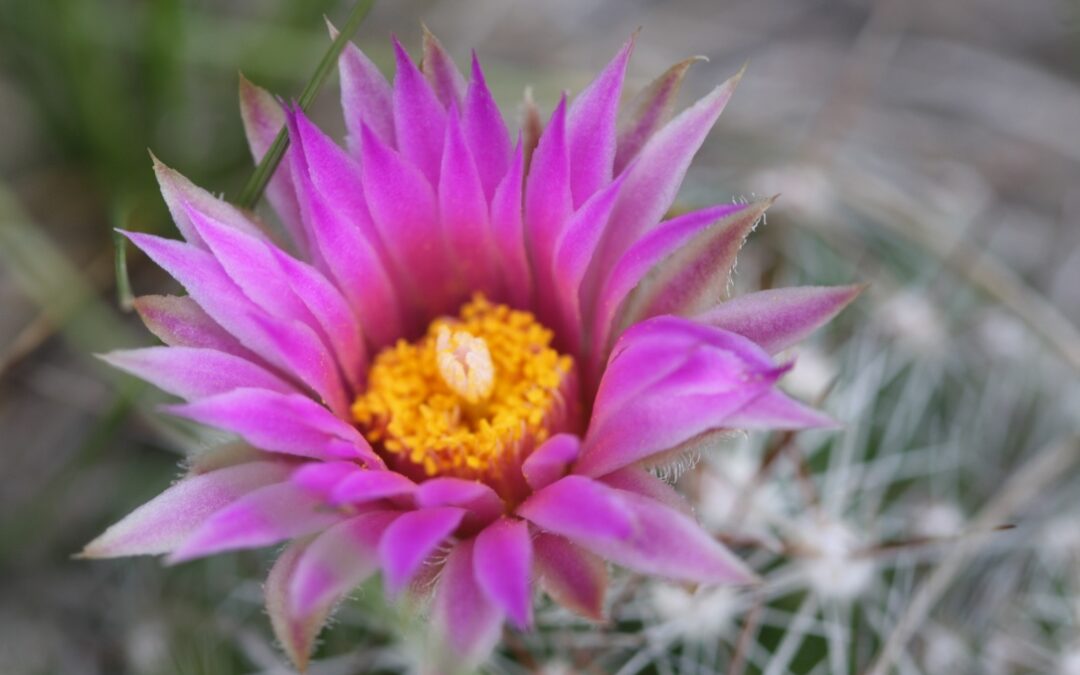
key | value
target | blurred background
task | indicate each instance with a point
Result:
(929, 148)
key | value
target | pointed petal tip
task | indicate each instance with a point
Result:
(331, 28)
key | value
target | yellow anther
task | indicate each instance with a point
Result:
(469, 394)
(465, 364)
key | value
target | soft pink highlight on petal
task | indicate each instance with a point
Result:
(366, 98)
(654, 106)
(368, 486)
(179, 191)
(778, 318)
(508, 231)
(191, 373)
(337, 561)
(411, 539)
(287, 423)
(321, 477)
(485, 132)
(775, 410)
(574, 577)
(468, 621)
(591, 128)
(502, 565)
(578, 508)
(419, 117)
(263, 119)
(265, 516)
(296, 634)
(654, 180)
(483, 504)
(163, 523)
(178, 321)
(463, 212)
(640, 481)
(551, 461)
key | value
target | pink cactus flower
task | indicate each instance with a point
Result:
(462, 365)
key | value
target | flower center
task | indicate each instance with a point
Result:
(471, 398)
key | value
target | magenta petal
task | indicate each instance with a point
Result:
(640, 481)
(575, 578)
(502, 564)
(463, 212)
(265, 516)
(191, 373)
(551, 460)
(263, 119)
(643, 257)
(411, 539)
(296, 634)
(164, 522)
(721, 373)
(442, 74)
(178, 321)
(548, 201)
(337, 561)
(485, 132)
(778, 318)
(775, 410)
(405, 210)
(508, 231)
(654, 179)
(652, 110)
(669, 544)
(468, 621)
(419, 117)
(368, 486)
(366, 98)
(179, 191)
(480, 500)
(321, 477)
(288, 423)
(591, 128)
(578, 508)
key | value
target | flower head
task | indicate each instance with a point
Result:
(461, 365)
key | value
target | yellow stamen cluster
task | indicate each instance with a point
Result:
(469, 393)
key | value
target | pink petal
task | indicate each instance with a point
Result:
(652, 110)
(469, 623)
(508, 231)
(591, 128)
(777, 319)
(322, 477)
(551, 461)
(640, 481)
(485, 132)
(366, 98)
(419, 117)
(645, 256)
(164, 522)
(296, 634)
(371, 485)
(344, 232)
(463, 212)
(263, 119)
(774, 410)
(178, 321)
(179, 191)
(482, 503)
(191, 373)
(669, 544)
(405, 211)
(263, 517)
(578, 508)
(337, 561)
(575, 578)
(502, 565)
(411, 539)
(548, 203)
(444, 77)
(720, 375)
(288, 423)
(654, 180)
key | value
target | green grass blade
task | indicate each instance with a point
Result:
(257, 183)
